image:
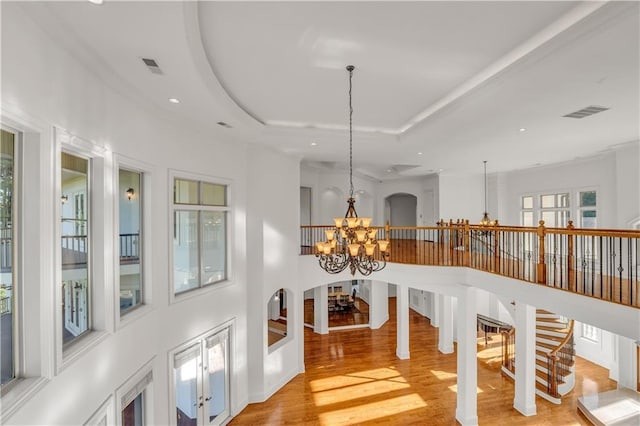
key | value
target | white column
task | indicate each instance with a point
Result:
(467, 398)
(435, 309)
(445, 332)
(402, 328)
(525, 390)
(626, 363)
(378, 304)
(320, 310)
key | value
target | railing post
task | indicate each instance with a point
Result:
(542, 266)
(570, 258)
(552, 379)
(387, 231)
(467, 243)
(496, 249)
(452, 237)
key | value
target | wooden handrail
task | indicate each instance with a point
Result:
(564, 341)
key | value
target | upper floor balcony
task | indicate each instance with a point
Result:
(598, 263)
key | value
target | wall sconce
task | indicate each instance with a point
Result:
(64, 199)
(130, 192)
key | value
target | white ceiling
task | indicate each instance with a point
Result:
(452, 80)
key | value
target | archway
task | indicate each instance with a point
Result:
(400, 210)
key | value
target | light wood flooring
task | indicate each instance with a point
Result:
(354, 377)
(357, 316)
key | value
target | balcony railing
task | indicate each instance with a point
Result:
(600, 263)
(75, 250)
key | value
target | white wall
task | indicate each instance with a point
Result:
(42, 86)
(379, 304)
(461, 197)
(402, 209)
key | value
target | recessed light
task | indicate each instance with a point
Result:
(419, 153)
(174, 100)
(388, 170)
(313, 144)
(96, 1)
(522, 129)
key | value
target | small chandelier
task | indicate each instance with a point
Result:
(485, 217)
(352, 243)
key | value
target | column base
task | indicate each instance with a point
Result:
(525, 410)
(402, 355)
(464, 421)
(445, 349)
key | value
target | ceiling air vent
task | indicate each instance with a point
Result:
(152, 65)
(585, 112)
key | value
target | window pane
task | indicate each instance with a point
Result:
(130, 239)
(527, 218)
(185, 192)
(75, 246)
(132, 414)
(563, 218)
(588, 199)
(588, 219)
(527, 202)
(186, 380)
(563, 200)
(547, 201)
(217, 380)
(214, 246)
(7, 291)
(214, 195)
(549, 219)
(185, 251)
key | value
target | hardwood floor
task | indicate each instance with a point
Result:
(354, 377)
(357, 316)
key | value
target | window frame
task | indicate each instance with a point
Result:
(580, 208)
(147, 172)
(16, 265)
(229, 244)
(100, 246)
(142, 383)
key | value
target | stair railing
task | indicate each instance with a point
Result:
(508, 349)
(560, 358)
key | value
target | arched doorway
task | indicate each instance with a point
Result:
(400, 210)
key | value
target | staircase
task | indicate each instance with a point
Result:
(555, 356)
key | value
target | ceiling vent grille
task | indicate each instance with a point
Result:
(585, 112)
(152, 65)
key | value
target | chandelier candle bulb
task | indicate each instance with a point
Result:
(327, 248)
(352, 222)
(366, 221)
(330, 234)
(354, 249)
(369, 249)
(339, 221)
(383, 245)
(319, 247)
(361, 235)
(372, 234)
(343, 234)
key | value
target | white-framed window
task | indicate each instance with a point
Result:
(587, 209)
(130, 239)
(10, 283)
(75, 238)
(590, 333)
(555, 209)
(85, 247)
(201, 380)
(134, 399)
(199, 219)
(527, 212)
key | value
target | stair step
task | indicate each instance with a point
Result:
(542, 311)
(546, 345)
(550, 322)
(543, 356)
(554, 329)
(550, 337)
(561, 370)
(543, 375)
(542, 388)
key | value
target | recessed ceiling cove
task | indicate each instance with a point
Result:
(284, 62)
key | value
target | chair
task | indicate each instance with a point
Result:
(337, 289)
(344, 301)
(333, 303)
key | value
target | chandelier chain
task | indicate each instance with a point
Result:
(350, 136)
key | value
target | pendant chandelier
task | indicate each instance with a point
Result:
(485, 217)
(352, 243)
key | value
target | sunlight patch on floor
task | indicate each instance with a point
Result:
(365, 412)
(454, 388)
(363, 390)
(443, 375)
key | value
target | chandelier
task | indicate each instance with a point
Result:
(352, 243)
(485, 217)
